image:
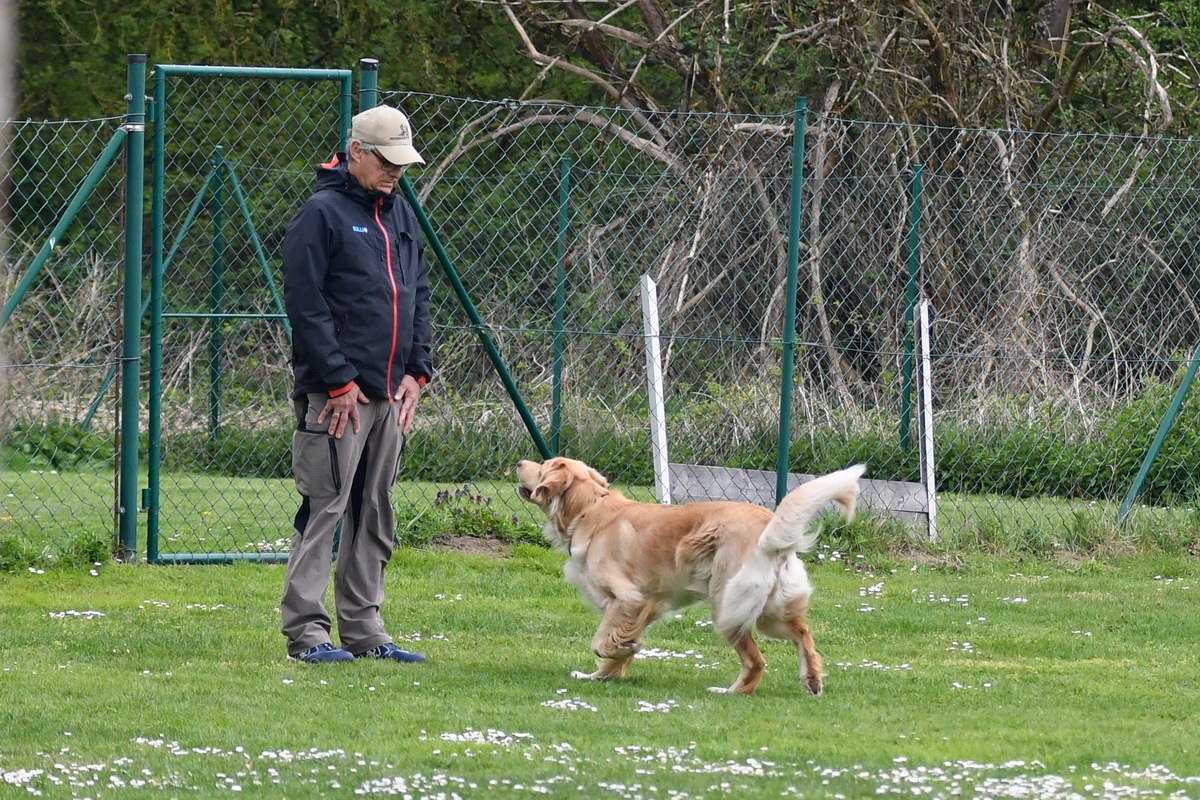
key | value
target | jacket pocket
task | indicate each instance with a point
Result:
(406, 256)
(315, 464)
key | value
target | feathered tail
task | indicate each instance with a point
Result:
(747, 593)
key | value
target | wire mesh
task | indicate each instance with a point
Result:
(697, 201)
(1058, 269)
(58, 409)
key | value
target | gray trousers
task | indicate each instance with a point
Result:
(349, 480)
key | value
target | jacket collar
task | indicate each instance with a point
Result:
(335, 174)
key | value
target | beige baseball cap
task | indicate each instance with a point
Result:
(388, 130)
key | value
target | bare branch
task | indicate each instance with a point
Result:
(539, 57)
(573, 115)
(811, 34)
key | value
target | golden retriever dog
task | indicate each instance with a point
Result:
(637, 561)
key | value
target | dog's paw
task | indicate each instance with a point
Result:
(719, 689)
(618, 650)
(583, 676)
(813, 685)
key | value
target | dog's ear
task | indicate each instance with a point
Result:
(553, 481)
(598, 478)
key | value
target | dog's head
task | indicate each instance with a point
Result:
(561, 487)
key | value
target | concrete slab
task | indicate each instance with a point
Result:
(691, 482)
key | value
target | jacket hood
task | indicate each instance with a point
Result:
(335, 174)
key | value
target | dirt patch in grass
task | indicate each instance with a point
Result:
(472, 545)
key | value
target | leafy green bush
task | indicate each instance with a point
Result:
(87, 549)
(54, 445)
(16, 555)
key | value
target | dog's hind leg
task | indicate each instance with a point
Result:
(812, 668)
(753, 665)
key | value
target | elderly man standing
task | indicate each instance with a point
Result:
(357, 297)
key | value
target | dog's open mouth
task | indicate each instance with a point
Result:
(525, 493)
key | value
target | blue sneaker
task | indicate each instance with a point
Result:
(323, 654)
(393, 652)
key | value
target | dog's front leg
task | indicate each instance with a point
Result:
(625, 620)
(618, 638)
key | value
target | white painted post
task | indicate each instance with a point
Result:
(654, 386)
(925, 420)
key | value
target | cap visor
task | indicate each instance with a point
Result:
(400, 154)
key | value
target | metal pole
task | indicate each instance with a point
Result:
(368, 83)
(81, 195)
(914, 236)
(560, 299)
(789, 313)
(287, 73)
(154, 454)
(925, 424)
(347, 111)
(131, 337)
(1164, 427)
(654, 391)
(216, 297)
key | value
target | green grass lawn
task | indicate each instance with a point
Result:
(1000, 678)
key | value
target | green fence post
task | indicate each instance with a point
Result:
(368, 83)
(347, 110)
(154, 454)
(81, 195)
(1164, 427)
(560, 299)
(914, 235)
(789, 313)
(131, 335)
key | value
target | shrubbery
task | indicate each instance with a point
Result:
(1034, 453)
(54, 445)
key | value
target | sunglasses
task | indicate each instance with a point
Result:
(389, 167)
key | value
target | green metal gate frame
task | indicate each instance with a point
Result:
(221, 170)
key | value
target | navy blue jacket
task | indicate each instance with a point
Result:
(355, 289)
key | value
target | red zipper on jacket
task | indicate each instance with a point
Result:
(387, 241)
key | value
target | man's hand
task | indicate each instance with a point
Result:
(342, 409)
(407, 395)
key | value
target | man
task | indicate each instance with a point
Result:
(357, 297)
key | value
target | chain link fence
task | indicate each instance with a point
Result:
(1058, 270)
(61, 344)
